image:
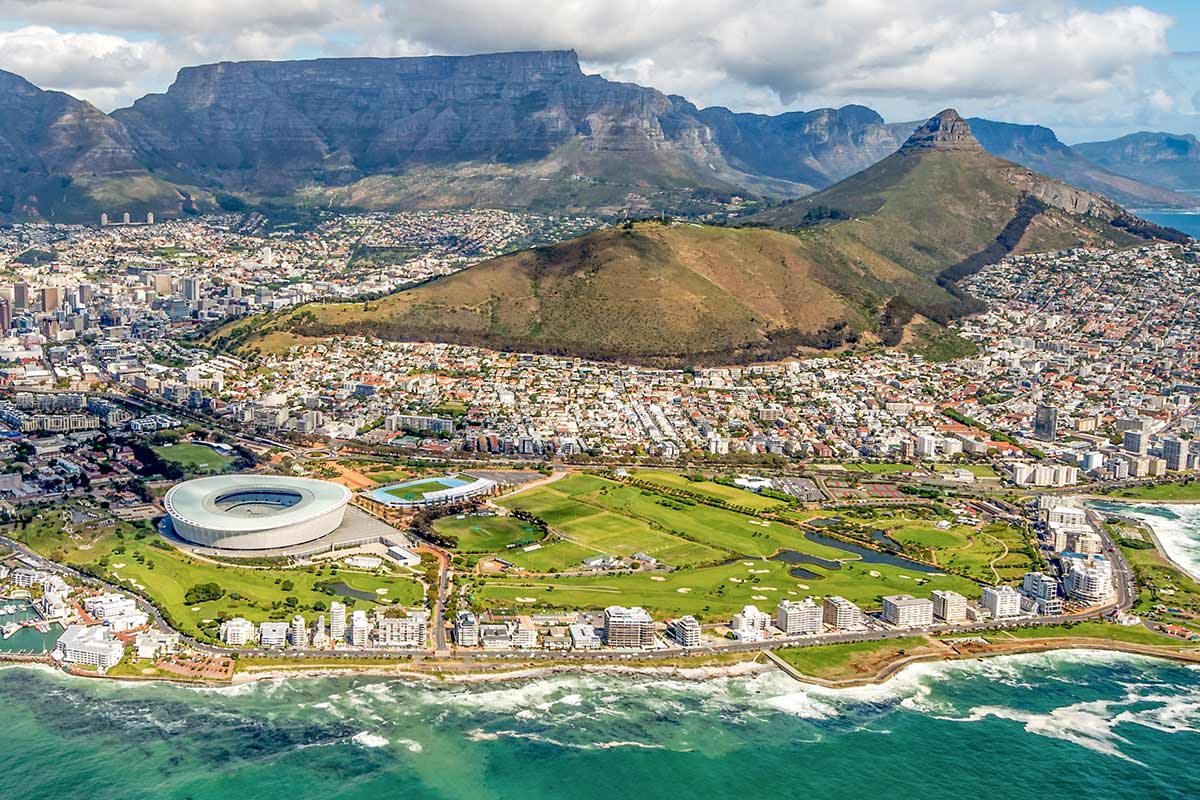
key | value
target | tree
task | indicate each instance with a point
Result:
(202, 593)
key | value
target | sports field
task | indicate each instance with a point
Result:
(196, 459)
(486, 534)
(418, 490)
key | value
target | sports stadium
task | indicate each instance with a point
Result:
(255, 512)
(422, 492)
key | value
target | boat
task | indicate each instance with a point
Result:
(9, 629)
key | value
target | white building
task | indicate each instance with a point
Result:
(840, 613)
(949, 606)
(1087, 579)
(1002, 601)
(93, 646)
(109, 605)
(750, 624)
(1043, 591)
(628, 627)
(410, 630)
(273, 634)
(360, 629)
(466, 629)
(684, 631)
(337, 622)
(299, 632)
(237, 632)
(583, 637)
(906, 611)
(796, 618)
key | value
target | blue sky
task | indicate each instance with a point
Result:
(1088, 68)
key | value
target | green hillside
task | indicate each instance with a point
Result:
(862, 259)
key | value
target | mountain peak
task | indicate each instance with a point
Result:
(944, 131)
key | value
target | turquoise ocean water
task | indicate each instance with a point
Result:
(1188, 223)
(1018, 728)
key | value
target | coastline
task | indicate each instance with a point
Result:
(1149, 527)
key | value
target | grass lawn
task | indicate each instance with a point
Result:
(979, 553)
(417, 491)
(880, 469)
(851, 660)
(390, 476)
(486, 534)
(1162, 491)
(195, 458)
(129, 553)
(600, 531)
(711, 489)
(1135, 634)
(1161, 583)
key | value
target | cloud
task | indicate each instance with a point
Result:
(93, 65)
(761, 55)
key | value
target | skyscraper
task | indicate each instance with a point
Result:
(1175, 452)
(1045, 423)
(20, 296)
(337, 621)
(5, 316)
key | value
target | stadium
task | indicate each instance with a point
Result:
(424, 492)
(255, 512)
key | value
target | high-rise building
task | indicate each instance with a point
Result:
(20, 296)
(360, 629)
(1175, 453)
(466, 629)
(337, 622)
(191, 289)
(273, 634)
(750, 622)
(51, 298)
(162, 283)
(841, 613)
(684, 631)
(1135, 442)
(1002, 601)
(906, 611)
(5, 316)
(299, 632)
(795, 618)
(1043, 591)
(1045, 423)
(949, 606)
(628, 627)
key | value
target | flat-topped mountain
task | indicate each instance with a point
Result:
(861, 259)
(512, 130)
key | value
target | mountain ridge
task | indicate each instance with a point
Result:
(525, 130)
(886, 247)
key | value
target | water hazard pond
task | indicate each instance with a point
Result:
(866, 555)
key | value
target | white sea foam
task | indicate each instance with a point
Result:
(1179, 536)
(368, 739)
(480, 735)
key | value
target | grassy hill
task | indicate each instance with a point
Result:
(868, 256)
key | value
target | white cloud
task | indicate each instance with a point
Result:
(93, 65)
(763, 55)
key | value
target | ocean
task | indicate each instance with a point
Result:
(1016, 727)
(1188, 222)
(1176, 526)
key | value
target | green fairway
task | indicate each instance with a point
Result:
(928, 536)
(1163, 492)
(197, 459)
(852, 659)
(593, 528)
(715, 592)
(486, 534)
(164, 574)
(710, 489)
